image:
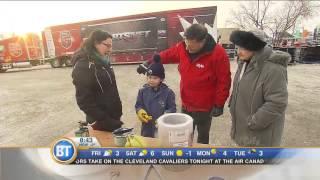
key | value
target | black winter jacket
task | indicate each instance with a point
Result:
(96, 91)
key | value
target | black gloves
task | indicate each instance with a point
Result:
(144, 67)
(216, 111)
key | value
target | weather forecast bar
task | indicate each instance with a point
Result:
(180, 156)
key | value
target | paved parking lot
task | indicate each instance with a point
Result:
(37, 105)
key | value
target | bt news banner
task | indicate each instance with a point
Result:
(214, 163)
(83, 157)
(87, 151)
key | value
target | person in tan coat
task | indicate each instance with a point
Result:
(259, 97)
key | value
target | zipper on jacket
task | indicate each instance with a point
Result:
(108, 75)
(255, 86)
(236, 88)
(95, 73)
(75, 65)
(235, 98)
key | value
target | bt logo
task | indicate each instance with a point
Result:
(64, 151)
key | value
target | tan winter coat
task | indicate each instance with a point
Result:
(259, 99)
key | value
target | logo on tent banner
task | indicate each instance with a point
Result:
(15, 49)
(66, 39)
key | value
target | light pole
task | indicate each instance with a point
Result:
(258, 16)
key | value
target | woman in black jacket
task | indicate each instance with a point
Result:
(94, 80)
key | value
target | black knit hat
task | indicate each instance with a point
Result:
(156, 67)
(248, 40)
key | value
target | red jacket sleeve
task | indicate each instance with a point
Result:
(223, 77)
(171, 55)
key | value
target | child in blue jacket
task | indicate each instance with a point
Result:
(154, 99)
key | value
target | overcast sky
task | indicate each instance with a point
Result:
(21, 17)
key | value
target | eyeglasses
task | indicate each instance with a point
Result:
(107, 45)
(193, 42)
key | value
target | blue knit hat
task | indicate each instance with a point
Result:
(156, 67)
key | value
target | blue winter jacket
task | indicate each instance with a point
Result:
(156, 102)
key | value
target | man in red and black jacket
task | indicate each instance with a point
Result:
(205, 77)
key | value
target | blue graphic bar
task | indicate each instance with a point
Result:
(182, 155)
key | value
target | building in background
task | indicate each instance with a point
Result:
(223, 39)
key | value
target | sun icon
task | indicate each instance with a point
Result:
(179, 152)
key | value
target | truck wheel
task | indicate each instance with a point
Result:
(68, 62)
(3, 70)
(34, 62)
(55, 63)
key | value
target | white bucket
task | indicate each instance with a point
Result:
(175, 130)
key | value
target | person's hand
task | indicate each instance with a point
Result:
(216, 111)
(143, 116)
